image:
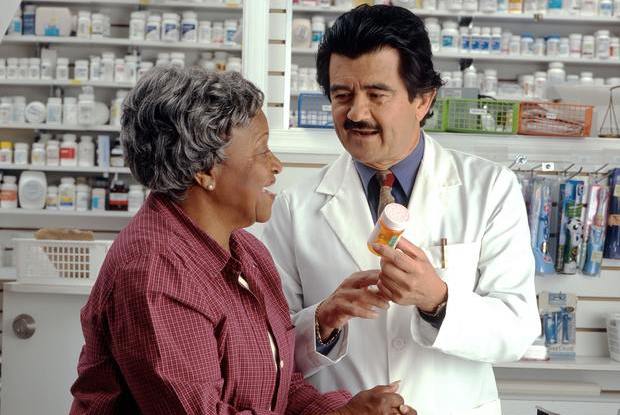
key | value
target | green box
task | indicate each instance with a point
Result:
(438, 121)
(483, 116)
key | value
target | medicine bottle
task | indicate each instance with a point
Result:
(449, 36)
(68, 150)
(137, 25)
(153, 28)
(66, 194)
(6, 152)
(52, 152)
(434, 32)
(37, 156)
(189, 27)
(135, 197)
(51, 201)
(20, 155)
(8, 193)
(389, 227)
(86, 151)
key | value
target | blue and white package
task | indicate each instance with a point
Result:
(594, 229)
(612, 240)
(572, 228)
(558, 311)
(540, 222)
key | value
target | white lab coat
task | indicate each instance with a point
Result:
(317, 236)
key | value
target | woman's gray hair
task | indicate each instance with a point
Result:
(177, 122)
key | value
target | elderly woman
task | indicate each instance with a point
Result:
(188, 315)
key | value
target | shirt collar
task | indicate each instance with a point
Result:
(402, 170)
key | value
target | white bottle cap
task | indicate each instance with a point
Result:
(395, 216)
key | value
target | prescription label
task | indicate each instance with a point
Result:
(478, 111)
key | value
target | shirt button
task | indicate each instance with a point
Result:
(281, 364)
(398, 343)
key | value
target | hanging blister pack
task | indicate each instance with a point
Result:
(571, 226)
(612, 240)
(558, 312)
(594, 229)
(540, 224)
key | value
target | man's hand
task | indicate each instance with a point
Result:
(408, 278)
(353, 298)
(380, 400)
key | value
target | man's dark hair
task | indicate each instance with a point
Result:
(367, 29)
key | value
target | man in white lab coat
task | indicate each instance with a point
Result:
(434, 318)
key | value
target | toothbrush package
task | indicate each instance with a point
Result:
(570, 230)
(612, 245)
(594, 230)
(558, 312)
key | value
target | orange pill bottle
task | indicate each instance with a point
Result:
(389, 227)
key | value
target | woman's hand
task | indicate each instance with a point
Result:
(380, 400)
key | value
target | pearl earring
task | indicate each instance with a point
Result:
(210, 187)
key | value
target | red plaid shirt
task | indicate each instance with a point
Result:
(169, 329)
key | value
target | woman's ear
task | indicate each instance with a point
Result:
(207, 180)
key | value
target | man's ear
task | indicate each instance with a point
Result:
(424, 102)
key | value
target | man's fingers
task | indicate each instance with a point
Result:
(410, 249)
(395, 274)
(362, 279)
(406, 410)
(384, 290)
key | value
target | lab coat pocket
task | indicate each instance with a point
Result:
(456, 264)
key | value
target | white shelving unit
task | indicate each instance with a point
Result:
(69, 83)
(588, 363)
(207, 5)
(109, 41)
(65, 169)
(60, 127)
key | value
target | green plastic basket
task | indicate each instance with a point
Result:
(483, 116)
(438, 121)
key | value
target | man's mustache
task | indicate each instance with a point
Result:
(359, 125)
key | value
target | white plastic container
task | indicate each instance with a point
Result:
(70, 111)
(54, 111)
(19, 109)
(62, 69)
(131, 69)
(143, 68)
(2, 68)
(66, 194)
(83, 24)
(189, 27)
(12, 68)
(137, 25)
(587, 47)
(34, 68)
(51, 200)
(540, 85)
(46, 69)
(603, 44)
(496, 40)
(464, 39)
(107, 66)
(470, 77)
(115, 108)
(6, 152)
(556, 75)
(98, 199)
(434, 32)
(476, 38)
(52, 152)
(8, 193)
(177, 59)
(614, 48)
(233, 64)
(553, 46)
(170, 30)
(35, 112)
(485, 40)
(527, 83)
(24, 68)
(119, 70)
(86, 151)
(318, 31)
(230, 28)
(20, 155)
(98, 24)
(82, 197)
(470, 5)
(605, 8)
(95, 68)
(613, 335)
(565, 47)
(80, 70)
(32, 190)
(37, 156)
(489, 84)
(449, 36)
(527, 44)
(539, 46)
(153, 28)
(68, 150)
(575, 44)
(204, 31)
(217, 32)
(586, 78)
(16, 27)
(6, 110)
(135, 197)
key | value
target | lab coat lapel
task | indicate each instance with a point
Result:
(346, 211)
(426, 205)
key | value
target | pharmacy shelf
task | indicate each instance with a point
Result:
(107, 221)
(587, 363)
(499, 57)
(68, 83)
(207, 5)
(7, 274)
(320, 9)
(71, 213)
(520, 17)
(65, 169)
(109, 41)
(60, 127)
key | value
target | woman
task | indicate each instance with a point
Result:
(187, 315)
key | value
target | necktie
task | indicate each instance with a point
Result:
(386, 181)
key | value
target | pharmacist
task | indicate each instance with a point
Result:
(453, 310)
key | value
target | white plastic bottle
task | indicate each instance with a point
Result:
(217, 32)
(107, 66)
(318, 30)
(204, 31)
(95, 68)
(464, 39)
(34, 68)
(488, 6)
(51, 200)
(82, 197)
(12, 68)
(24, 68)
(605, 8)
(231, 27)
(153, 28)
(135, 197)
(496, 40)
(540, 84)
(46, 69)
(80, 71)
(137, 25)
(83, 24)
(86, 109)
(66, 194)
(70, 111)
(37, 156)
(587, 47)
(2, 68)
(475, 39)
(97, 27)
(485, 40)
(470, 77)
(170, 27)
(189, 27)
(86, 151)
(54, 111)
(455, 5)
(8, 193)
(489, 84)
(556, 75)
(19, 109)
(449, 36)
(52, 152)
(603, 44)
(62, 69)
(586, 78)
(131, 69)
(20, 155)
(68, 150)
(434, 32)
(15, 27)
(470, 5)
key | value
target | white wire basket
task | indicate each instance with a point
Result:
(59, 262)
(613, 335)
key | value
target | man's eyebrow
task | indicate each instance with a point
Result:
(339, 87)
(380, 86)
